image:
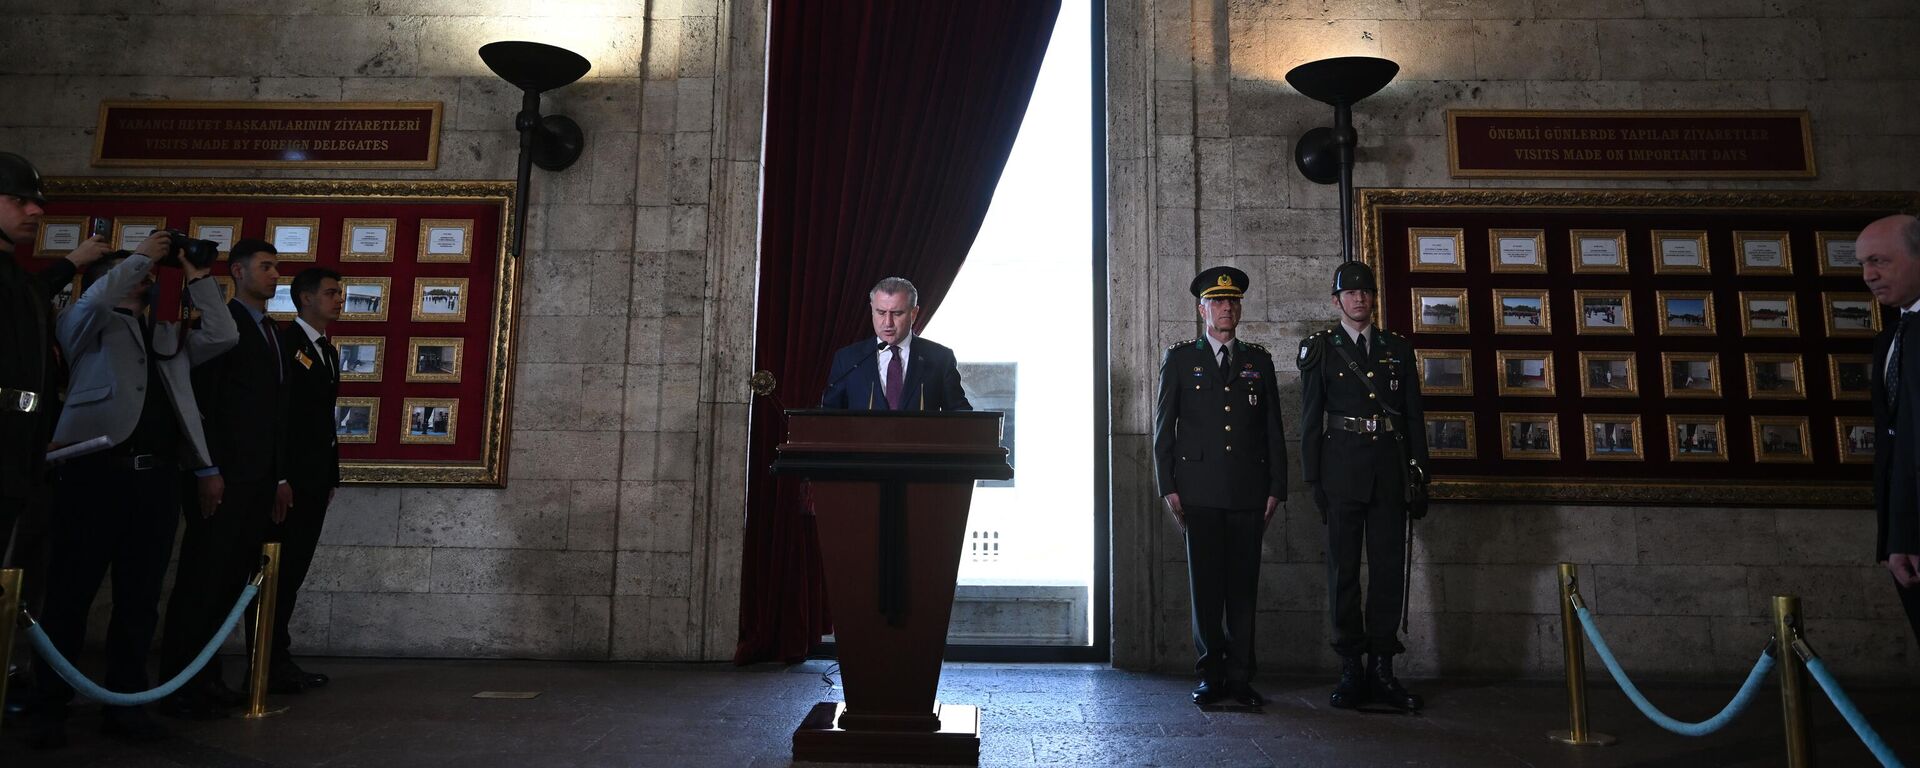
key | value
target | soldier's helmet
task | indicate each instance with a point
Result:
(1353, 276)
(20, 179)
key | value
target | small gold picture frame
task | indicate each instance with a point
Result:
(440, 300)
(295, 239)
(1525, 373)
(445, 241)
(1762, 253)
(1855, 438)
(1440, 310)
(1850, 315)
(435, 359)
(1529, 436)
(59, 235)
(1445, 371)
(1690, 374)
(1772, 376)
(356, 419)
(1437, 249)
(1681, 252)
(129, 231)
(1769, 313)
(367, 239)
(1850, 376)
(429, 420)
(1517, 250)
(1781, 440)
(1837, 254)
(361, 357)
(226, 289)
(366, 298)
(1684, 313)
(1603, 312)
(1608, 374)
(1613, 437)
(1599, 251)
(1522, 310)
(223, 230)
(1450, 435)
(1696, 438)
(281, 306)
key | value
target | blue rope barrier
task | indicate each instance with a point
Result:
(1842, 702)
(43, 645)
(1733, 709)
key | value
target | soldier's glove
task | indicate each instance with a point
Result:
(1320, 500)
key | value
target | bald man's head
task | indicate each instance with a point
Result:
(1889, 252)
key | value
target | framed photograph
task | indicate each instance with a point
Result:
(1681, 252)
(1764, 313)
(440, 300)
(429, 420)
(281, 307)
(1837, 256)
(222, 230)
(366, 298)
(1529, 436)
(1604, 312)
(1613, 437)
(1856, 438)
(1437, 250)
(1608, 374)
(1781, 439)
(367, 239)
(1696, 438)
(1850, 376)
(1599, 251)
(356, 419)
(1440, 310)
(1521, 310)
(1450, 435)
(1850, 315)
(1525, 373)
(128, 231)
(1445, 371)
(1518, 250)
(59, 235)
(295, 239)
(434, 359)
(1775, 377)
(226, 288)
(1762, 253)
(360, 356)
(1685, 313)
(445, 240)
(1691, 374)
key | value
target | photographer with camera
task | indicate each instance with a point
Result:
(116, 509)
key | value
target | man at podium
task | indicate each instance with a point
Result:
(895, 370)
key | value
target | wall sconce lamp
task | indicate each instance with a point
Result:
(1325, 155)
(552, 142)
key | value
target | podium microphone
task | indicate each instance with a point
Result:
(856, 366)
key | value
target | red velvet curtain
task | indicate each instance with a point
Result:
(888, 123)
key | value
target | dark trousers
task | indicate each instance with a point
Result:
(107, 519)
(298, 538)
(10, 510)
(1378, 523)
(1910, 600)
(218, 555)
(1223, 571)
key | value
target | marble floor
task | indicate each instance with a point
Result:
(423, 713)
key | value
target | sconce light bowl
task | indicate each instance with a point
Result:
(1342, 80)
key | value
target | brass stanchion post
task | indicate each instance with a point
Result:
(263, 609)
(10, 579)
(1576, 663)
(1793, 680)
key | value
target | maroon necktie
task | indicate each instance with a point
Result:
(894, 379)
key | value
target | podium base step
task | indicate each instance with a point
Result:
(956, 743)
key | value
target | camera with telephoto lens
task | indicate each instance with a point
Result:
(200, 253)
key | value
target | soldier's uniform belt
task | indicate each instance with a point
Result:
(19, 400)
(1363, 426)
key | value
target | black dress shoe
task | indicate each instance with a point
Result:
(1351, 691)
(132, 724)
(307, 680)
(190, 705)
(1387, 687)
(1207, 694)
(1247, 696)
(218, 694)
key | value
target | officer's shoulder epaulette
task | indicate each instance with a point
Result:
(1179, 344)
(1253, 346)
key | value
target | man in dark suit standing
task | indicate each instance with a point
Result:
(896, 370)
(1889, 251)
(242, 395)
(313, 456)
(1220, 463)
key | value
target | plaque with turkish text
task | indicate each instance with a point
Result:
(1508, 144)
(267, 134)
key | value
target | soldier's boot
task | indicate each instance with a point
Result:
(1388, 688)
(1351, 691)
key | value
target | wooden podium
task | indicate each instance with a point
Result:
(891, 491)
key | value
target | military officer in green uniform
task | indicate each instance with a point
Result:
(1361, 426)
(1220, 463)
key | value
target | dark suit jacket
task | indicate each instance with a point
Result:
(313, 453)
(1896, 447)
(932, 384)
(1349, 462)
(244, 403)
(1217, 437)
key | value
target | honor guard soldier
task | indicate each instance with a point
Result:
(1220, 463)
(1363, 437)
